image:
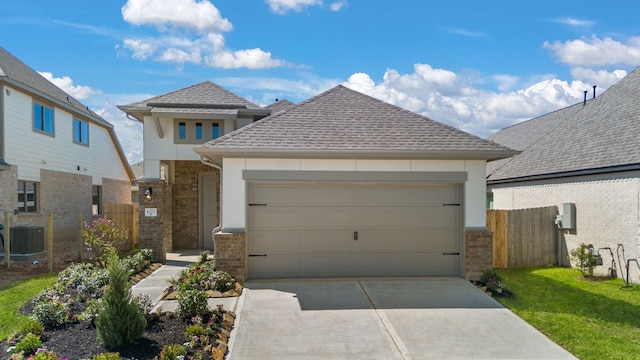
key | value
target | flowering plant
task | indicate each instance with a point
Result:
(103, 235)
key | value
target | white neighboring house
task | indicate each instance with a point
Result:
(587, 154)
(56, 156)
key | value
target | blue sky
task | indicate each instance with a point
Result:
(478, 66)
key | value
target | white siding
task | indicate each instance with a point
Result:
(607, 209)
(33, 151)
(234, 188)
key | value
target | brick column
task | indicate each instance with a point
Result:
(479, 252)
(156, 231)
(229, 254)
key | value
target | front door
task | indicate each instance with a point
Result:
(208, 209)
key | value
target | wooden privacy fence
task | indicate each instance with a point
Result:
(523, 238)
(125, 215)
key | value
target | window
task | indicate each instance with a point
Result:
(27, 197)
(196, 132)
(96, 198)
(80, 132)
(43, 118)
(182, 131)
(490, 200)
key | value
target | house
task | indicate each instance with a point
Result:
(178, 189)
(345, 185)
(57, 157)
(587, 154)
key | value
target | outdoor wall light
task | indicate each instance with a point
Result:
(148, 193)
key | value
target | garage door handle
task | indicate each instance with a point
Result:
(254, 255)
(355, 235)
(451, 253)
(257, 204)
(450, 204)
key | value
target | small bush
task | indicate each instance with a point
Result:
(93, 309)
(194, 330)
(145, 305)
(28, 345)
(584, 258)
(120, 322)
(51, 314)
(43, 354)
(191, 303)
(107, 356)
(33, 326)
(172, 352)
(204, 256)
(103, 235)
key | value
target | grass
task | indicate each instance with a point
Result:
(593, 319)
(12, 297)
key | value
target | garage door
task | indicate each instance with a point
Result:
(353, 230)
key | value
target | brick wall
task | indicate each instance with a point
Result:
(116, 191)
(229, 254)
(186, 203)
(155, 231)
(479, 252)
(8, 189)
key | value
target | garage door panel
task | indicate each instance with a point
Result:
(392, 241)
(307, 230)
(408, 194)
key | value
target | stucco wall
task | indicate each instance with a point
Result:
(607, 209)
(234, 187)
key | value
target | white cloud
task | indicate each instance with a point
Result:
(65, 83)
(602, 78)
(201, 15)
(453, 99)
(573, 22)
(250, 58)
(284, 6)
(337, 6)
(464, 32)
(272, 88)
(596, 52)
(190, 31)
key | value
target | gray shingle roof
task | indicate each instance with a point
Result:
(602, 135)
(279, 105)
(14, 70)
(204, 94)
(343, 121)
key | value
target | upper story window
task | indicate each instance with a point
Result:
(80, 132)
(196, 131)
(43, 120)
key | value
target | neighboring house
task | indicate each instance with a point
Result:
(182, 188)
(587, 154)
(57, 157)
(347, 185)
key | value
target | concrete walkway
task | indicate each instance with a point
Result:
(426, 318)
(155, 284)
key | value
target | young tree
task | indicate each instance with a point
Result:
(120, 322)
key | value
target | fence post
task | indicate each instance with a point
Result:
(80, 237)
(7, 238)
(50, 243)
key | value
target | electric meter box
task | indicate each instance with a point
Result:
(568, 216)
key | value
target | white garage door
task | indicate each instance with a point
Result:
(349, 230)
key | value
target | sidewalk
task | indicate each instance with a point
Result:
(155, 284)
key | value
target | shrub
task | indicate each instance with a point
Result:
(145, 305)
(51, 313)
(172, 352)
(93, 309)
(87, 279)
(191, 303)
(120, 322)
(44, 354)
(103, 235)
(204, 256)
(195, 330)
(28, 345)
(491, 280)
(584, 258)
(107, 356)
(32, 326)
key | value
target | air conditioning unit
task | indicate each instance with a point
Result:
(27, 239)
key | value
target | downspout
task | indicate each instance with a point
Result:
(214, 165)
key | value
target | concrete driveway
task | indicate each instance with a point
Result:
(426, 318)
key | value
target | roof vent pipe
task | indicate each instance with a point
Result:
(594, 91)
(585, 98)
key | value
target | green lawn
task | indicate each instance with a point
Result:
(12, 297)
(593, 319)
